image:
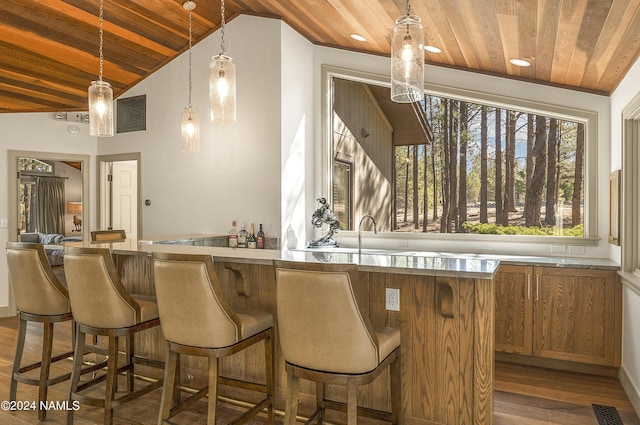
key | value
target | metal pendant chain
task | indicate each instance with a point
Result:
(190, 38)
(100, 32)
(222, 23)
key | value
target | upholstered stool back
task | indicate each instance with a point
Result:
(192, 309)
(320, 324)
(35, 287)
(98, 298)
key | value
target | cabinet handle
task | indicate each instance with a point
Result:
(528, 286)
(537, 287)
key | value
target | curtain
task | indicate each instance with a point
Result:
(50, 204)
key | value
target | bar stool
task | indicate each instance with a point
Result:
(197, 320)
(101, 305)
(325, 338)
(40, 297)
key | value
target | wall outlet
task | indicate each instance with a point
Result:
(558, 249)
(402, 243)
(576, 249)
(392, 296)
(4, 223)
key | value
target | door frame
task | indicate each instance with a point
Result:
(101, 161)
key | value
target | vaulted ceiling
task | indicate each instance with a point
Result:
(48, 49)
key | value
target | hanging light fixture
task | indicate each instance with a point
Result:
(190, 127)
(407, 59)
(100, 99)
(222, 83)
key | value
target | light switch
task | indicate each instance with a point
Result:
(4, 223)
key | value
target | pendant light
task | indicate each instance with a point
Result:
(407, 59)
(222, 83)
(100, 98)
(190, 127)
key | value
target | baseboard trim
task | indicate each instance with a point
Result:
(629, 387)
(4, 311)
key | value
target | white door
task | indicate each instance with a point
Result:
(124, 197)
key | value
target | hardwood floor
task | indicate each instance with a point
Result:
(524, 395)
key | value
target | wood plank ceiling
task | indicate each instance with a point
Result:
(48, 49)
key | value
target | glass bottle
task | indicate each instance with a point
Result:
(252, 242)
(243, 235)
(233, 235)
(260, 238)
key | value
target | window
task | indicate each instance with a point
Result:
(459, 162)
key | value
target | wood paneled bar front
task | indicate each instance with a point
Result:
(446, 320)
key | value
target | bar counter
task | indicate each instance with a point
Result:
(445, 319)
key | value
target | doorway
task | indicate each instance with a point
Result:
(118, 200)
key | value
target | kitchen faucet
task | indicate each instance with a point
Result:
(375, 230)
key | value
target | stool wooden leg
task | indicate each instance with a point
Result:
(176, 384)
(269, 360)
(45, 365)
(396, 389)
(130, 349)
(112, 377)
(213, 388)
(320, 401)
(77, 369)
(22, 333)
(352, 402)
(168, 392)
(291, 406)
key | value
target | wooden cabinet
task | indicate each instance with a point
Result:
(563, 314)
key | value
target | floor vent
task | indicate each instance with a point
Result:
(607, 415)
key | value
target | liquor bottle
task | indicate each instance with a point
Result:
(243, 235)
(252, 242)
(233, 235)
(260, 238)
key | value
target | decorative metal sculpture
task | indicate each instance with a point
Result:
(324, 215)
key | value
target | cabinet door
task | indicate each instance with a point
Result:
(513, 310)
(574, 315)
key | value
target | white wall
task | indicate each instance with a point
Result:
(625, 92)
(236, 174)
(37, 132)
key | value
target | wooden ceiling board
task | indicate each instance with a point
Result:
(48, 49)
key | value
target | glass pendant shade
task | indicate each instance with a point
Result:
(222, 89)
(100, 109)
(190, 130)
(407, 60)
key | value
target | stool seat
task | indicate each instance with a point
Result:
(325, 338)
(197, 320)
(148, 307)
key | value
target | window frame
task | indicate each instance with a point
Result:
(588, 118)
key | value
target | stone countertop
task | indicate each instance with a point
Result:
(374, 262)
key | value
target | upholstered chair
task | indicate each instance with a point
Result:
(101, 305)
(197, 320)
(40, 297)
(325, 338)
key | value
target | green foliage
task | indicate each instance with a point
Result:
(495, 229)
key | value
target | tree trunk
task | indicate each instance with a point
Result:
(452, 223)
(462, 191)
(435, 183)
(483, 166)
(498, 143)
(576, 198)
(416, 202)
(552, 160)
(510, 165)
(406, 186)
(425, 193)
(533, 198)
(446, 193)
(530, 139)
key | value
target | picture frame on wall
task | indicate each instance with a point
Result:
(614, 208)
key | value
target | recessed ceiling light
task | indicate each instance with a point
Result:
(520, 62)
(433, 49)
(358, 37)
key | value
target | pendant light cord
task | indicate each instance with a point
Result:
(100, 32)
(190, 38)
(222, 23)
